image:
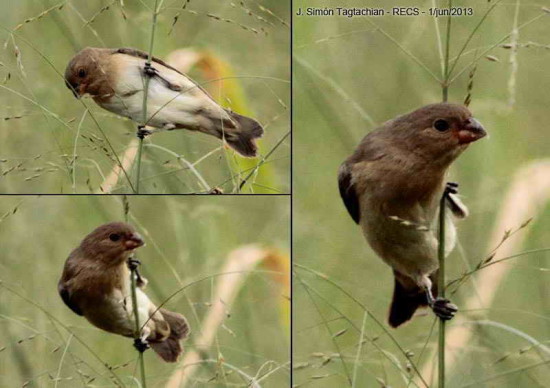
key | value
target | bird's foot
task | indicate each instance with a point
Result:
(443, 308)
(150, 70)
(141, 282)
(216, 191)
(133, 263)
(142, 132)
(141, 345)
(451, 188)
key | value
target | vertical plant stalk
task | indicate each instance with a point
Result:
(446, 72)
(527, 194)
(133, 285)
(138, 327)
(441, 250)
(146, 93)
(441, 291)
(138, 163)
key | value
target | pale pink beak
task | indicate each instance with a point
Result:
(472, 131)
(134, 241)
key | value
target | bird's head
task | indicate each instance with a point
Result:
(437, 132)
(113, 242)
(84, 69)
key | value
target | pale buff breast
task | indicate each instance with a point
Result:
(402, 233)
(110, 314)
(114, 312)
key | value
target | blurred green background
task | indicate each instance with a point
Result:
(42, 126)
(187, 238)
(350, 77)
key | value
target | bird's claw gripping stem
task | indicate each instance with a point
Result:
(141, 345)
(150, 70)
(133, 264)
(443, 308)
(451, 188)
(142, 133)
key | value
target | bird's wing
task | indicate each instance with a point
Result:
(66, 296)
(175, 86)
(369, 150)
(182, 101)
(347, 192)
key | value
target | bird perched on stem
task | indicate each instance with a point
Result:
(96, 284)
(114, 78)
(392, 185)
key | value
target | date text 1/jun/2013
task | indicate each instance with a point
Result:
(394, 11)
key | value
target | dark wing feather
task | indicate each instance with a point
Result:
(348, 193)
(371, 149)
(66, 296)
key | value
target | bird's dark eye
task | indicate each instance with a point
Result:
(114, 237)
(82, 73)
(441, 125)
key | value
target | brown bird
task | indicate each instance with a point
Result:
(115, 78)
(96, 284)
(391, 186)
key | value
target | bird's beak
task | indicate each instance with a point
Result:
(471, 131)
(74, 88)
(134, 241)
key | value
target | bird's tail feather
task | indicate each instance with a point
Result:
(243, 138)
(170, 349)
(407, 298)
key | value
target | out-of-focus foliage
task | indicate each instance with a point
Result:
(49, 144)
(188, 240)
(349, 77)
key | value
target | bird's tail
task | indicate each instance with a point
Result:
(242, 138)
(170, 349)
(407, 298)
